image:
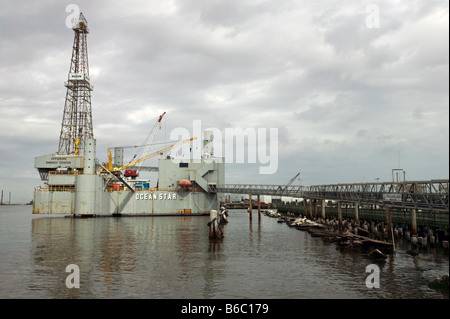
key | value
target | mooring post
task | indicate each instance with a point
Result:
(413, 222)
(356, 213)
(214, 230)
(323, 209)
(339, 215)
(250, 206)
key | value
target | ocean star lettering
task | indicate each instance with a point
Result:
(153, 196)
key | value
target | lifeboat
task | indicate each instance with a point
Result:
(184, 183)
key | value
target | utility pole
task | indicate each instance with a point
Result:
(77, 117)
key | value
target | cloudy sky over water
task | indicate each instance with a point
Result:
(355, 88)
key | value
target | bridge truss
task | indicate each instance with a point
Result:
(430, 195)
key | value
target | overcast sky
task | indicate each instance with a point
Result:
(355, 88)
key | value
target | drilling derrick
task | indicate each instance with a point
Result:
(77, 117)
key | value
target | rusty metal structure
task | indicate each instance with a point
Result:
(77, 117)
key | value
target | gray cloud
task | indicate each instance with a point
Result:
(346, 99)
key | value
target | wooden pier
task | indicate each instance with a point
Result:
(363, 212)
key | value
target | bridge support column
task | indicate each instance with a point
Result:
(356, 213)
(339, 207)
(413, 222)
(250, 206)
(323, 209)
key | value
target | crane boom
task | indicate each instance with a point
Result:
(149, 140)
(292, 180)
(165, 149)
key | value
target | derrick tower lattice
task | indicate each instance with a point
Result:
(77, 117)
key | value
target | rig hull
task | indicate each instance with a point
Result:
(123, 202)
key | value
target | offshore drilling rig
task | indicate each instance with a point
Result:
(78, 184)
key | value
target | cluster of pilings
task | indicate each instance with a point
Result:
(425, 237)
(250, 207)
(419, 236)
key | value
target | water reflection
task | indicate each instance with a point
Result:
(114, 253)
(173, 257)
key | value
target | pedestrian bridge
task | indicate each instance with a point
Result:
(432, 195)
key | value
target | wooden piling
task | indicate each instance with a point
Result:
(315, 208)
(390, 230)
(323, 209)
(413, 222)
(259, 207)
(250, 206)
(310, 208)
(356, 212)
(305, 209)
(339, 207)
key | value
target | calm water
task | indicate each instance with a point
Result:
(172, 257)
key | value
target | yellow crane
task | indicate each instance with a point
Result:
(144, 158)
